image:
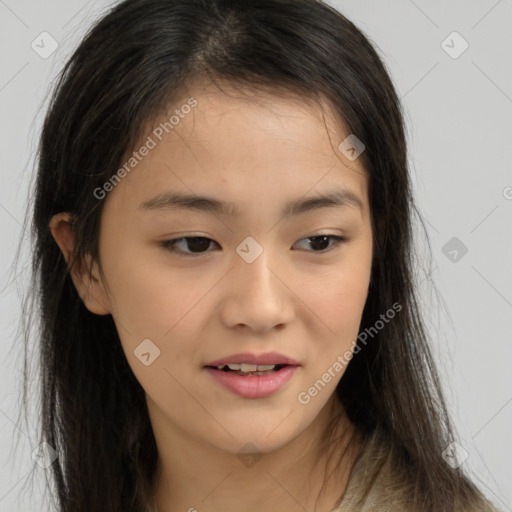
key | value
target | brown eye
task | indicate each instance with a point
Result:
(320, 243)
(195, 244)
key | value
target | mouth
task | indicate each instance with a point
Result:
(247, 370)
(249, 359)
(252, 375)
(252, 381)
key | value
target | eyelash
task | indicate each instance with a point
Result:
(169, 244)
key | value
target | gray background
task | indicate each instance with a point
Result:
(458, 113)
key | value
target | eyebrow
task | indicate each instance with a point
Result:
(183, 201)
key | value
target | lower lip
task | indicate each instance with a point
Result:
(253, 386)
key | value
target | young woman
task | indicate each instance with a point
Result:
(223, 271)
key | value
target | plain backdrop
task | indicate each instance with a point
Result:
(456, 91)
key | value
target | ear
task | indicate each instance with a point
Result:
(88, 284)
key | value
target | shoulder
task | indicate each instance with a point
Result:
(373, 485)
(376, 486)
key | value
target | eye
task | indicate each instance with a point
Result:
(322, 241)
(199, 244)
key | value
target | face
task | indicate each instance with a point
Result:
(189, 287)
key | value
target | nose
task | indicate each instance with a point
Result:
(258, 296)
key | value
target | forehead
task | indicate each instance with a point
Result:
(246, 144)
(237, 122)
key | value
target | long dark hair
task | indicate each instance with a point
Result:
(129, 67)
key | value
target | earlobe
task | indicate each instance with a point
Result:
(87, 280)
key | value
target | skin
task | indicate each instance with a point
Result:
(293, 299)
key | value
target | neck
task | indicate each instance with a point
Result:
(311, 472)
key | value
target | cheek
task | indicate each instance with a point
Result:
(147, 298)
(340, 299)
(153, 302)
(153, 309)
(338, 304)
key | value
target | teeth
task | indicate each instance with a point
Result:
(265, 367)
(244, 367)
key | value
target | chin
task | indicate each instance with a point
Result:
(259, 437)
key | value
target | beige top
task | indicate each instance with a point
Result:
(373, 488)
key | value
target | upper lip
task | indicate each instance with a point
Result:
(249, 358)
